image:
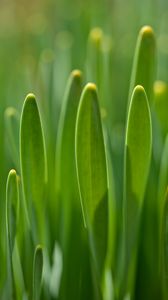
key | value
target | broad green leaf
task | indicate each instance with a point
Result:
(143, 70)
(12, 202)
(12, 132)
(138, 144)
(37, 272)
(164, 247)
(92, 173)
(33, 159)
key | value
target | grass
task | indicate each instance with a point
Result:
(84, 164)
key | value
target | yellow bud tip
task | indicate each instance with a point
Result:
(147, 31)
(76, 73)
(160, 87)
(91, 86)
(39, 248)
(10, 111)
(12, 172)
(139, 88)
(30, 97)
(96, 34)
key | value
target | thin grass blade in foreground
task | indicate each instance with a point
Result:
(37, 272)
(12, 202)
(138, 145)
(33, 162)
(143, 70)
(92, 174)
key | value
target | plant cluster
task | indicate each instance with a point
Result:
(69, 234)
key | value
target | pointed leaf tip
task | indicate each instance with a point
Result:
(37, 272)
(30, 97)
(90, 87)
(12, 172)
(76, 73)
(147, 31)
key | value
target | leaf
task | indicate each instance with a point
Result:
(163, 177)
(32, 156)
(160, 104)
(138, 145)
(12, 132)
(164, 247)
(37, 272)
(98, 64)
(12, 202)
(66, 134)
(94, 56)
(143, 70)
(73, 245)
(92, 173)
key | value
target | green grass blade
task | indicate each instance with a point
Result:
(73, 246)
(143, 70)
(164, 247)
(92, 173)
(94, 56)
(12, 202)
(33, 159)
(12, 132)
(160, 104)
(66, 136)
(138, 145)
(163, 176)
(37, 272)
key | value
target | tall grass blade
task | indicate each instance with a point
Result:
(33, 161)
(143, 70)
(138, 145)
(92, 173)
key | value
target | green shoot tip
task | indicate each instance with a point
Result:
(147, 31)
(12, 172)
(160, 87)
(10, 112)
(96, 35)
(139, 88)
(30, 97)
(91, 86)
(76, 73)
